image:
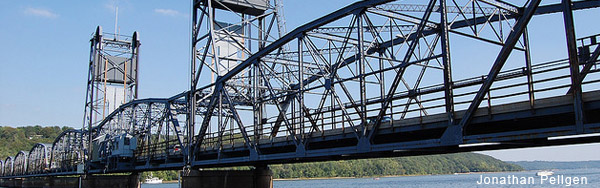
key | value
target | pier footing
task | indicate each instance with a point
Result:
(258, 178)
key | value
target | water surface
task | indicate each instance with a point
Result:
(431, 181)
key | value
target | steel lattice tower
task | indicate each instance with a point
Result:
(112, 76)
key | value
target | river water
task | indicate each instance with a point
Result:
(592, 176)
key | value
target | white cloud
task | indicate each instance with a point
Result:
(40, 12)
(168, 12)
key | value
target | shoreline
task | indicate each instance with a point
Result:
(386, 176)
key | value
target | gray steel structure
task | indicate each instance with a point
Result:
(113, 63)
(373, 79)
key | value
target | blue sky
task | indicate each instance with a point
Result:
(44, 49)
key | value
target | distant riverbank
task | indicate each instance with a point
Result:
(390, 176)
(399, 166)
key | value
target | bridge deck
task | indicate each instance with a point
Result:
(506, 125)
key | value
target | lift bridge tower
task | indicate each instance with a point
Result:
(224, 34)
(112, 76)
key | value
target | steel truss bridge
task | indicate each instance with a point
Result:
(374, 79)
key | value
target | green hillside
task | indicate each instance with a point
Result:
(23, 138)
(416, 165)
(545, 165)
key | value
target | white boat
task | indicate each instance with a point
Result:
(544, 173)
(153, 180)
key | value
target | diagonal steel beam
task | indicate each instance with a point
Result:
(236, 117)
(573, 64)
(207, 116)
(177, 130)
(588, 66)
(282, 114)
(546, 9)
(289, 98)
(398, 77)
(511, 41)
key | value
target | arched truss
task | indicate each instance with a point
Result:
(371, 60)
(20, 164)
(37, 162)
(68, 151)
(7, 168)
(153, 122)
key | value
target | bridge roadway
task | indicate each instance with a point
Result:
(513, 125)
(518, 111)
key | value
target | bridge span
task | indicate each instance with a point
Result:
(373, 79)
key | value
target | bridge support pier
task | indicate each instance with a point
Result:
(126, 181)
(12, 182)
(261, 177)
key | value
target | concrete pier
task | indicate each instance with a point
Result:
(125, 181)
(258, 178)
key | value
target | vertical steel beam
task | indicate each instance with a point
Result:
(574, 65)
(361, 69)
(192, 93)
(256, 109)
(381, 79)
(448, 94)
(220, 115)
(331, 90)
(95, 56)
(135, 49)
(148, 127)
(512, 39)
(258, 126)
(301, 83)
